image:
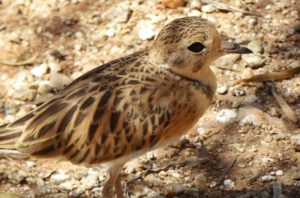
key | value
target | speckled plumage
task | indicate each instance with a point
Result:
(128, 106)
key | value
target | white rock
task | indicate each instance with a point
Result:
(78, 47)
(174, 173)
(68, 185)
(96, 191)
(17, 176)
(213, 184)
(279, 173)
(198, 145)
(78, 35)
(151, 155)
(208, 8)
(267, 178)
(200, 131)
(226, 116)
(194, 13)
(145, 30)
(268, 16)
(195, 4)
(223, 89)
(252, 21)
(229, 183)
(256, 46)
(58, 80)
(59, 177)
(229, 60)
(254, 61)
(30, 164)
(249, 120)
(266, 160)
(110, 32)
(268, 7)
(40, 70)
(77, 192)
(90, 181)
(272, 173)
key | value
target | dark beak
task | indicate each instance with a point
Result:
(233, 48)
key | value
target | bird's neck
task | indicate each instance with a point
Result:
(205, 75)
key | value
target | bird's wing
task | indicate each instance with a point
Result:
(107, 113)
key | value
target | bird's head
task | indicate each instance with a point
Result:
(190, 44)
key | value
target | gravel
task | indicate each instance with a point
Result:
(226, 115)
(72, 37)
(268, 178)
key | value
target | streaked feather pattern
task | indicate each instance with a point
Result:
(120, 107)
(128, 106)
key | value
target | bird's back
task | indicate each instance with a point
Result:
(125, 106)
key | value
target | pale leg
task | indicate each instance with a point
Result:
(113, 181)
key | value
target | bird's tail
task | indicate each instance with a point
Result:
(9, 136)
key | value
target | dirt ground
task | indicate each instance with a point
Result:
(245, 145)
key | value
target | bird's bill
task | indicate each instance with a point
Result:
(233, 48)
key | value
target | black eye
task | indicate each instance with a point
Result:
(196, 47)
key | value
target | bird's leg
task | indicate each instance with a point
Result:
(118, 187)
(113, 181)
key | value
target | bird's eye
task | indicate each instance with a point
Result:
(196, 47)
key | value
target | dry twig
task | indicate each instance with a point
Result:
(289, 112)
(226, 171)
(29, 61)
(273, 76)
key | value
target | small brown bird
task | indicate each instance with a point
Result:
(128, 106)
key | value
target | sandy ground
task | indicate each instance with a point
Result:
(244, 138)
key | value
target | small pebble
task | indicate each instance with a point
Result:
(252, 21)
(96, 191)
(208, 8)
(267, 178)
(222, 89)
(110, 32)
(254, 61)
(30, 164)
(239, 92)
(229, 183)
(256, 46)
(90, 181)
(59, 177)
(195, 4)
(59, 81)
(145, 31)
(226, 116)
(177, 189)
(249, 120)
(39, 71)
(200, 131)
(279, 173)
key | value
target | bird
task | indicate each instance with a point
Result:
(128, 106)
